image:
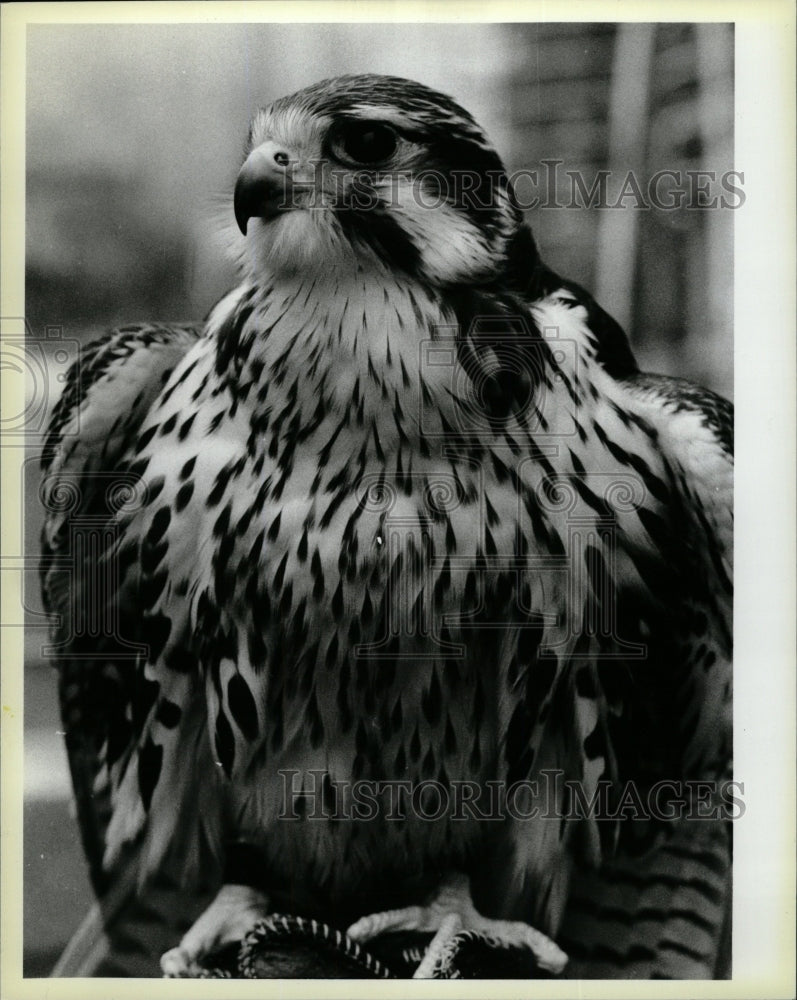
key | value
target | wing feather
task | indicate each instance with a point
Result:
(657, 903)
(87, 481)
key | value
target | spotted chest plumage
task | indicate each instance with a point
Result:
(339, 569)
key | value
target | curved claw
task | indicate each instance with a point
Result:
(435, 953)
(405, 919)
(176, 964)
(450, 910)
(229, 917)
(547, 953)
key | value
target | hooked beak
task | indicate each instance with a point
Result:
(264, 185)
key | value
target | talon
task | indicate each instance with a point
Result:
(449, 911)
(229, 917)
(374, 924)
(449, 928)
(175, 963)
(547, 953)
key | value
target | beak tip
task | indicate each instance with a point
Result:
(239, 207)
(241, 202)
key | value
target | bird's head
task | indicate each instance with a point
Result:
(373, 168)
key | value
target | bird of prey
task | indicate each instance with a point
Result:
(401, 516)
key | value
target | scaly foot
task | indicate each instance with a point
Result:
(450, 911)
(230, 916)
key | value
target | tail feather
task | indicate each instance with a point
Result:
(663, 915)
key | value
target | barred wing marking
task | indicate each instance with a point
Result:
(108, 393)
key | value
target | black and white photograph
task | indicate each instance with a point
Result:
(376, 489)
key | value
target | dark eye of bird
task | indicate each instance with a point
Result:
(368, 142)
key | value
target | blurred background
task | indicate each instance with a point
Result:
(134, 137)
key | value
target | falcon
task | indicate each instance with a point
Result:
(402, 513)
